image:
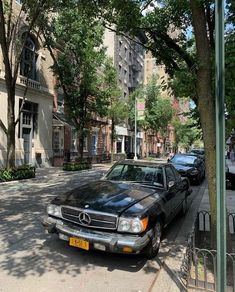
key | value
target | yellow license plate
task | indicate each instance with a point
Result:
(80, 243)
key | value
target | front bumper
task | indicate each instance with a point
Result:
(113, 242)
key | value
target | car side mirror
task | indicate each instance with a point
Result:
(171, 184)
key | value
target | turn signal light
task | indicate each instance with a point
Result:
(127, 249)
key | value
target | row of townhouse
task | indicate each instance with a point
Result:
(44, 136)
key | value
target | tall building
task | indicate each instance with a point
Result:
(33, 132)
(128, 58)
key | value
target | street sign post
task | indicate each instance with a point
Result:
(139, 116)
(220, 148)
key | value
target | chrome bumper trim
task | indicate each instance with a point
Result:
(113, 241)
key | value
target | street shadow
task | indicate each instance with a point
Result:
(24, 247)
(26, 250)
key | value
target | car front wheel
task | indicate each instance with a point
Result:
(153, 246)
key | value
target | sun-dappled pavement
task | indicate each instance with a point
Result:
(31, 260)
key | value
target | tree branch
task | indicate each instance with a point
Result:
(9, 20)
(30, 27)
(55, 62)
(13, 35)
(3, 43)
(211, 23)
(3, 127)
(171, 44)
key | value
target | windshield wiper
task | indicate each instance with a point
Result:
(148, 183)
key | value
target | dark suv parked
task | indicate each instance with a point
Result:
(190, 166)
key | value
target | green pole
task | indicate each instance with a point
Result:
(220, 148)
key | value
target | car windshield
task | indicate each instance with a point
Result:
(198, 151)
(137, 173)
(184, 159)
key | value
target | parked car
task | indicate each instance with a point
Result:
(230, 178)
(190, 166)
(199, 152)
(123, 212)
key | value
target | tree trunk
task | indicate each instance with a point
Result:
(206, 104)
(10, 163)
(146, 144)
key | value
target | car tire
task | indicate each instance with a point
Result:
(184, 207)
(153, 246)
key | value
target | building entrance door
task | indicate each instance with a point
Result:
(94, 144)
(27, 137)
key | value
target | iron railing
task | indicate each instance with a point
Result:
(198, 270)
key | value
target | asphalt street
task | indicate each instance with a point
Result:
(30, 260)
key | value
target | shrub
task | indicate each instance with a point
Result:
(74, 166)
(18, 173)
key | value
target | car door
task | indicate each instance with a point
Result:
(181, 187)
(172, 194)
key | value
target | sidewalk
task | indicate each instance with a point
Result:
(169, 278)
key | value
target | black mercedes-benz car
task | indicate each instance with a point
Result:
(124, 211)
(190, 166)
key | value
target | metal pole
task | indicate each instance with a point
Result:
(135, 157)
(220, 148)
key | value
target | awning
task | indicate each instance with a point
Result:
(62, 119)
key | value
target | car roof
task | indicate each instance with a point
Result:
(188, 154)
(185, 154)
(145, 162)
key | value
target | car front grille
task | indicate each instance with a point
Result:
(89, 218)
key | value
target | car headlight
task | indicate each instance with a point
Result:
(132, 225)
(54, 210)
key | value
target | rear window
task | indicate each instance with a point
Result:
(198, 151)
(184, 159)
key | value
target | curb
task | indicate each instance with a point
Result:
(169, 278)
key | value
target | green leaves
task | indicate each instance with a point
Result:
(158, 109)
(186, 133)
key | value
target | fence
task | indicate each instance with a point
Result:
(61, 156)
(199, 266)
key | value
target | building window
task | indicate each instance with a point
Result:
(104, 142)
(56, 140)
(28, 117)
(119, 147)
(28, 65)
(85, 145)
(74, 140)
